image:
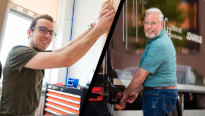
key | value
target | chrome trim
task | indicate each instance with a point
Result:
(69, 94)
(62, 104)
(190, 88)
(180, 87)
(63, 110)
(123, 23)
(133, 11)
(50, 111)
(61, 98)
(136, 22)
(126, 43)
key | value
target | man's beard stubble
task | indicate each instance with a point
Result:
(35, 47)
(154, 35)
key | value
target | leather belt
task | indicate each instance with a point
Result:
(168, 87)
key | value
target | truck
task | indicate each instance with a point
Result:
(184, 24)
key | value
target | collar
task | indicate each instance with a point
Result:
(160, 35)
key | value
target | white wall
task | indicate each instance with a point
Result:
(86, 11)
(62, 28)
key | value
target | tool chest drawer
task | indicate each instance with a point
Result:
(62, 100)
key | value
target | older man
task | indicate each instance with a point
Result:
(23, 71)
(157, 70)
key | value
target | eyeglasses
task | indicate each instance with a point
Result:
(151, 23)
(44, 30)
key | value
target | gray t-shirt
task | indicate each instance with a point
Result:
(22, 86)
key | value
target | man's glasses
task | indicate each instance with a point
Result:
(151, 23)
(44, 30)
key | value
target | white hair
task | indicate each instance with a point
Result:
(155, 10)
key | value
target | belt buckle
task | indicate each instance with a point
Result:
(148, 88)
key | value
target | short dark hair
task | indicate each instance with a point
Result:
(45, 16)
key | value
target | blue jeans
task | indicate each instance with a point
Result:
(158, 102)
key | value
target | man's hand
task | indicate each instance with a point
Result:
(105, 18)
(106, 7)
(128, 98)
(131, 97)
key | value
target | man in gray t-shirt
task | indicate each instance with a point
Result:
(23, 71)
(21, 85)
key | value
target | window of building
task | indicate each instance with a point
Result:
(15, 33)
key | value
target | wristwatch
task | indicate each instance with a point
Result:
(91, 26)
